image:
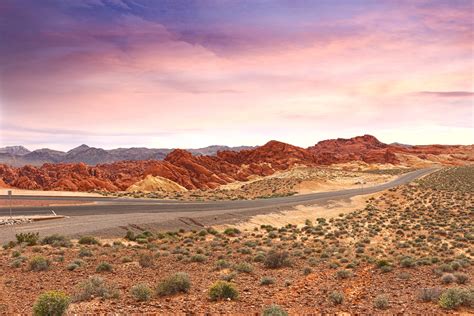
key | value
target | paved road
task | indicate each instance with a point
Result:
(106, 206)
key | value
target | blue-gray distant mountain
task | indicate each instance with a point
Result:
(20, 156)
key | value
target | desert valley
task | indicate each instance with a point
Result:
(404, 248)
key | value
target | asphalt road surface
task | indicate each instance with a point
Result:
(108, 206)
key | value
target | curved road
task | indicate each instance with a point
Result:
(106, 206)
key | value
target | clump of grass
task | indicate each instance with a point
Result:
(95, 287)
(429, 294)
(198, 258)
(343, 274)
(146, 260)
(274, 310)
(231, 231)
(461, 278)
(178, 282)
(336, 297)
(267, 281)
(223, 290)
(243, 267)
(381, 302)
(141, 292)
(104, 267)
(276, 259)
(222, 264)
(51, 303)
(39, 263)
(88, 240)
(84, 252)
(56, 240)
(448, 278)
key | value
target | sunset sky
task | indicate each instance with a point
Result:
(122, 73)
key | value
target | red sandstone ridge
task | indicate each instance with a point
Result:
(365, 148)
(207, 172)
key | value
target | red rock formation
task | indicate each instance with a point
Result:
(207, 172)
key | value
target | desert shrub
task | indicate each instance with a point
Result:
(407, 262)
(267, 281)
(222, 264)
(461, 278)
(381, 302)
(16, 254)
(130, 235)
(429, 294)
(228, 277)
(141, 292)
(276, 259)
(274, 310)
(84, 252)
(343, 274)
(126, 259)
(448, 278)
(231, 231)
(17, 262)
(146, 260)
(51, 303)
(446, 267)
(336, 297)
(30, 239)
(72, 266)
(104, 267)
(223, 290)
(178, 282)
(56, 240)
(456, 297)
(95, 287)
(243, 267)
(88, 240)
(260, 257)
(198, 258)
(39, 263)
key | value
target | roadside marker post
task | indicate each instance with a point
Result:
(10, 198)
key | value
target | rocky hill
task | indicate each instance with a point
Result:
(208, 171)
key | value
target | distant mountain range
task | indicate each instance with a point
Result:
(18, 156)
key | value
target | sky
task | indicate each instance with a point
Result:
(172, 73)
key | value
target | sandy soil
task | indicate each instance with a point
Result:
(298, 215)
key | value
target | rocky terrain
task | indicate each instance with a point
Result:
(407, 251)
(209, 172)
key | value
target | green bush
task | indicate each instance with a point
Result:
(276, 259)
(243, 267)
(178, 282)
(30, 239)
(455, 297)
(56, 241)
(104, 267)
(95, 286)
(88, 240)
(84, 252)
(141, 292)
(231, 231)
(198, 258)
(222, 264)
(51, 303)
(39, 263)
(222, 290)
(274, 310)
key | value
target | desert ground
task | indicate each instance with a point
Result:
(406, 250)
